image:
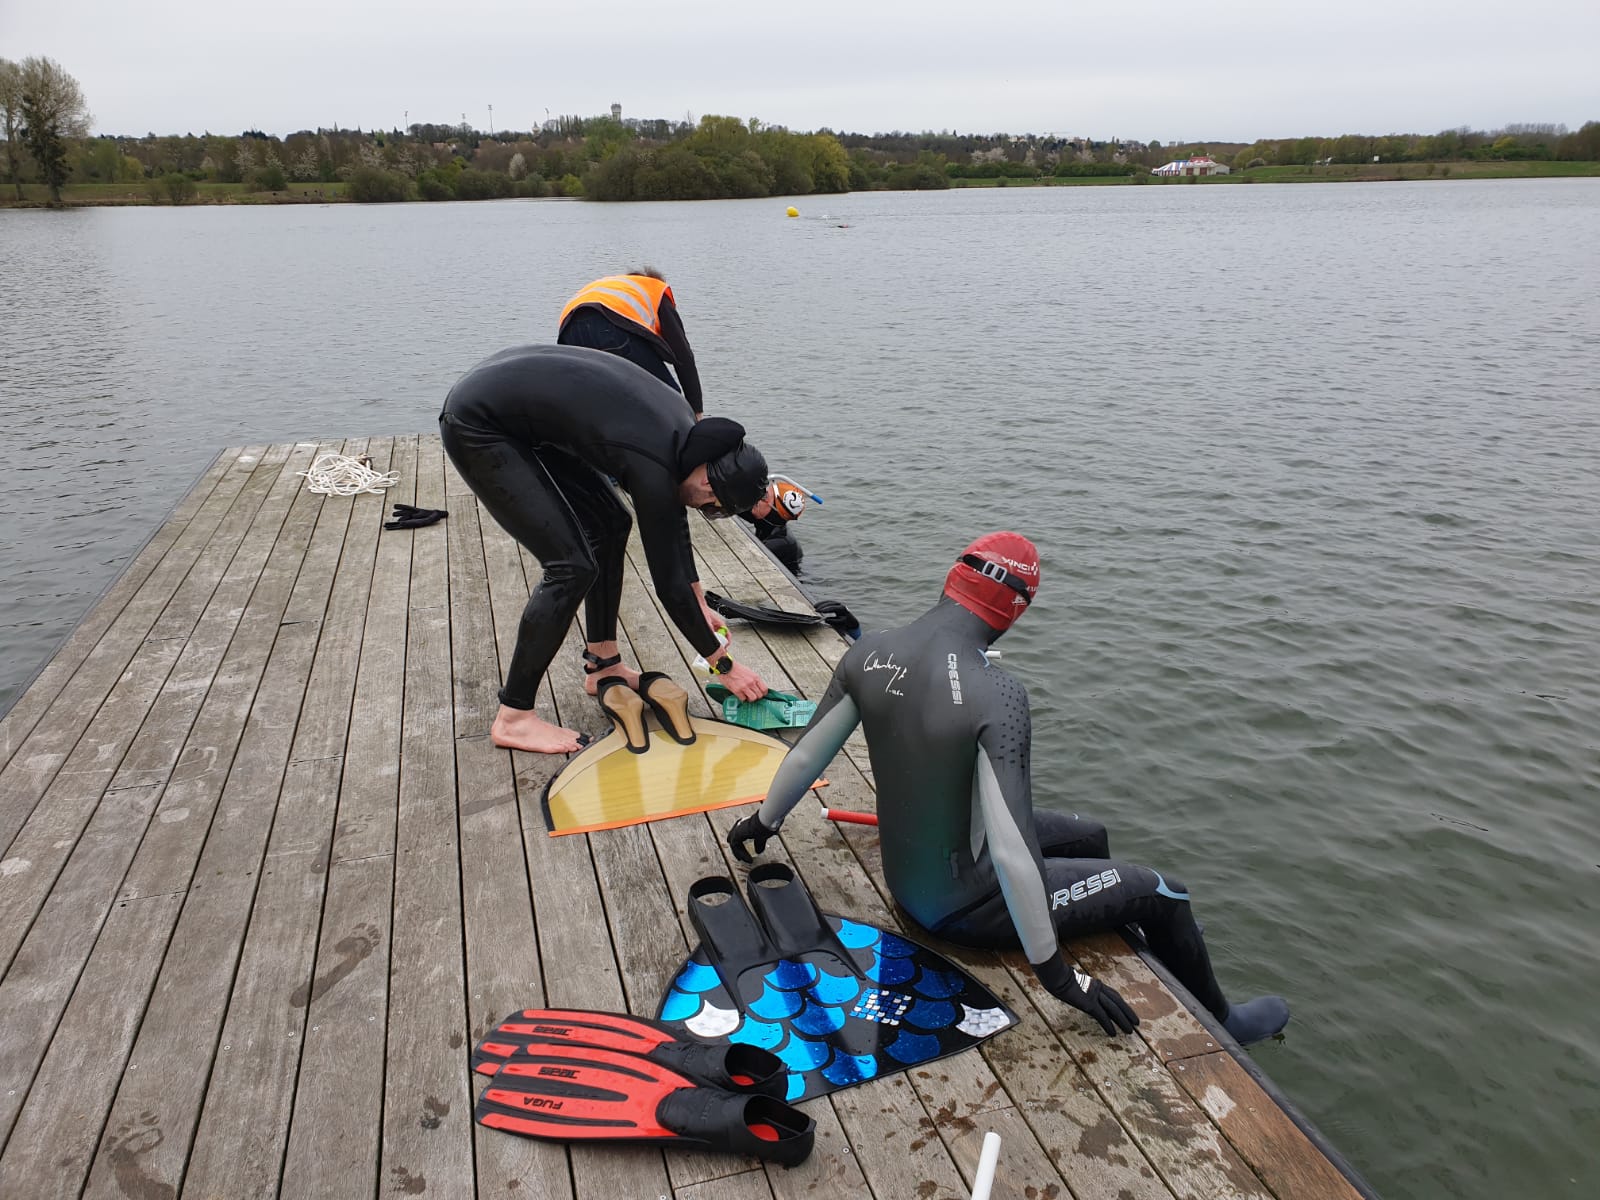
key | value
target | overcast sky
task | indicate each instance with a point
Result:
(1224, 70)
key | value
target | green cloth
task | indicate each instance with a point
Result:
(775, 710)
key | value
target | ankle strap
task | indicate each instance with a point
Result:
(593, 662)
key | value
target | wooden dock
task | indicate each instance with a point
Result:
(264, 879)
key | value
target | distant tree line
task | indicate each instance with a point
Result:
(1513, 143)
(44, 124)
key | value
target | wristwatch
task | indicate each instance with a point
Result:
(722, 665)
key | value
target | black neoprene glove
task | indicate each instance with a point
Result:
(407, 516)
(749, 829)
(1086, 994)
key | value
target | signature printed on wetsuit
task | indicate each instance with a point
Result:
(873, 663)
(1084, 887)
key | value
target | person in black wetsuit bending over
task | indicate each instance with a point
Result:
(535, 431)
(964, 852)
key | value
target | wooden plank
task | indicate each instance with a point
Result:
(171, 847)
(171, 1059)
(746, 1185)
(53, 1140)
(41, 692)
(1292, 1167)
(289, 512)
(503, 968)
(1068, 1116)
(580, 968)
(179, 1036)
(367, 796)
(184, 812)
(427, 1129)
(1174, 1134)
(335, 1132)
(1022, 1171)
(62, 720)
(1170, 1030)
(55, 744)
(472, 636)
(344, 546)
(226, 573)
(877, 1118)
(336, 1129)
(244, 1121)
(40, 980)
(43, 844)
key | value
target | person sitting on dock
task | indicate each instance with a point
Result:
(635, 317)
(536, 431)
(964, 852)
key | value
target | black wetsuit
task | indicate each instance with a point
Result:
(535, 431)
(776, 536)
(964, 853)
(601, 328)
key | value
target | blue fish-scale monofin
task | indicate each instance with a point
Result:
(791, 975)
(774, 1005)
(932, 1014)
(850, 1068)
(819, 1020)
(911, 1047)
(939, 985)
(757, 1033)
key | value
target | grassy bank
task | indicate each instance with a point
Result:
(80, 194)
(1047, 181)
(1378, 172)
(86, 194)
(1333, 173)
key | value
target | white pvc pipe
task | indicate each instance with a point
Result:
(986, 1164)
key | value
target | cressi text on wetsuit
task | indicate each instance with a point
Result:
(964, 853)
(534, 431)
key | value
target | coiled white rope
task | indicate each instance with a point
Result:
(340, 475)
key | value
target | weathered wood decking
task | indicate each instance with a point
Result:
(263, 879)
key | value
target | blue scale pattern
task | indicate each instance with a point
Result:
(911, 1047)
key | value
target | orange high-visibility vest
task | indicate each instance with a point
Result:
(636, 297)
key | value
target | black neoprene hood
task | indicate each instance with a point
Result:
(739, 478)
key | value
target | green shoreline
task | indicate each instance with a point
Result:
(84, 195)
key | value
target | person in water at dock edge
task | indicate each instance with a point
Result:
(635, 317)
(964, 853)
(536, 431)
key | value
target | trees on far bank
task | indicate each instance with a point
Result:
(11, 120)
(48, 108)
(605, 158)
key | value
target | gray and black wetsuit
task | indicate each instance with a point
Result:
(534, 431)
(964, 853)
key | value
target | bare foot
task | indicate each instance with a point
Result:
(519, 729)
(627, 674)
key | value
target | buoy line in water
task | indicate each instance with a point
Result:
(341, 475)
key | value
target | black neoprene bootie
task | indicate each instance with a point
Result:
(1258, 1019)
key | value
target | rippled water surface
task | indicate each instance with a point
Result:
(1313, 470)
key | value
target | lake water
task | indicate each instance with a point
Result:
(1314, 471)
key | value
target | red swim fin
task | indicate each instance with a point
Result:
(738, 1068)
(580, 1093)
